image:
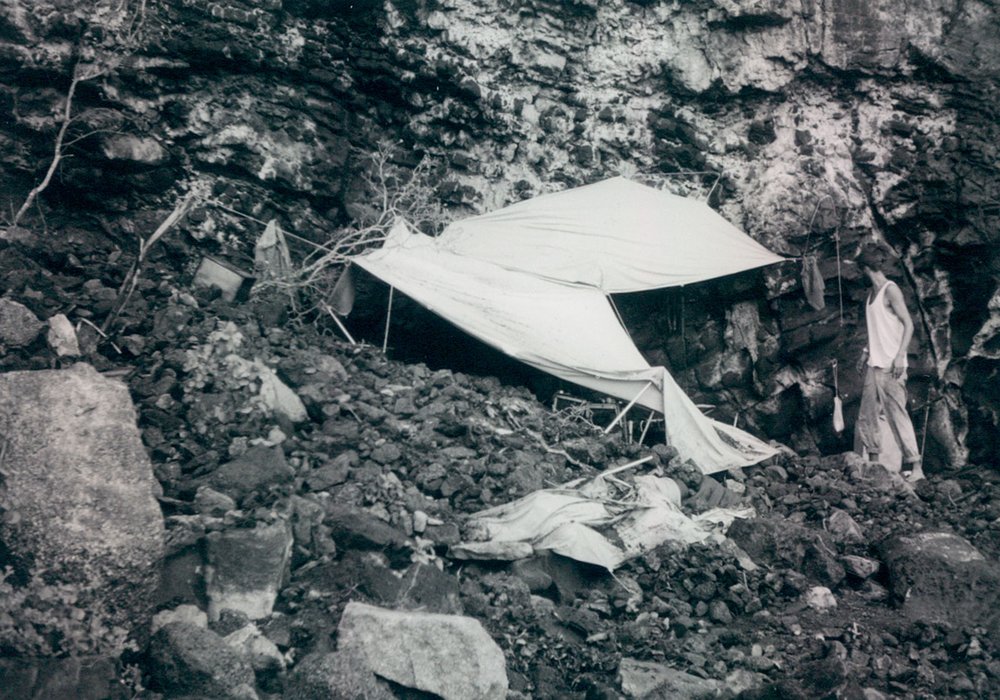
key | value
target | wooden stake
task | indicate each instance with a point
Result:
(340, 325)
(626, 409)
(645, 428)
(388, 318)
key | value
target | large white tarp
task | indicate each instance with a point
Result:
(616, 235)
(567, 330)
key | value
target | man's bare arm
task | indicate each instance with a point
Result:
(898, 306)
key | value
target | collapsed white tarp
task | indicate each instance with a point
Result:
(616, 235)
(569, 331)
(588, 525)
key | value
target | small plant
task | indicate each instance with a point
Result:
(217, 362)
(42, 619)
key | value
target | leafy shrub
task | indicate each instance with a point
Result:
(42, 619)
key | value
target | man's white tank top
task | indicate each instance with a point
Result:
(885, 331)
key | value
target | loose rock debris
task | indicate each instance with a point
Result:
(388, 491)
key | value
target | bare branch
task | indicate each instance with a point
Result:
(397, 193)
(57, 153)
(131, 280)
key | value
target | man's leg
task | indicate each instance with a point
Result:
(867, 424)
(893, 393)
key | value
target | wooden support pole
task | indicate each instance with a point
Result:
(340, 325)
(645, 428)
(388, 318)
(625, 410)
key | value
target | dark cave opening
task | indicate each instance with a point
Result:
(418, 335)
(673, 327)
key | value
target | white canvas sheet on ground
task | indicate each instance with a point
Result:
(616, 235)
(566, 330)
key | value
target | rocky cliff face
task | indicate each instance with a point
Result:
(814, 126)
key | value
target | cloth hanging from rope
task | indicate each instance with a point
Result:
(812, 282)
(838, 404)
(342, 295)
(271, 258)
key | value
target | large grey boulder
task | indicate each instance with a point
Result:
(941, 578)
(246, 567)
(77, 489)
(448, 655)
(188, 660)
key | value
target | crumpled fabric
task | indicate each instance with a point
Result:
(812, 282)
(587, 524)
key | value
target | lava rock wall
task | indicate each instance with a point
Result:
(813, 126)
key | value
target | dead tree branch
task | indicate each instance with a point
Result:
(131, 280)
(121, 26)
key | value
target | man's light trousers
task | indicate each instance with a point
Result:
(886, 394)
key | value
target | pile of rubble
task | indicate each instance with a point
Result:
(321, 506)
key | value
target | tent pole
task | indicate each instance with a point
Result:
(684, 340)
(625, 410)
(388, 317)
(340, 325)
(645, 428)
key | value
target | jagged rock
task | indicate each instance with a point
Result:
(260, 652)
(341, 675)
(443, 534)
(825, 676)
(278, 397)
(208, 501)
(419, 587)
(231, 584)
(860, 567)
(78, 487)
(18, 325)
(388, 453)
(876, 476)
(62, 338)
(820, 598)
(358, 529)
(188, 614)
(778, 541)
(719, 612)
(331, 473)
(229, 621)
(448, 655)
(940, 578)
(532, 572)
(188, 660)
(256, 469)
(843, 528)
(311, 535)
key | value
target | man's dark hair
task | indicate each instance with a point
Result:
(873, 256)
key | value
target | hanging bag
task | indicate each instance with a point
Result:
(838, 405)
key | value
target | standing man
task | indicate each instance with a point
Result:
(884, 363)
